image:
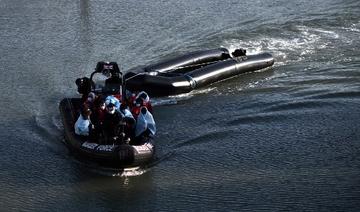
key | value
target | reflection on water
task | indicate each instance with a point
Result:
(85, 29)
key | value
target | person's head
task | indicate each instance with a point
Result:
(143, 110)
(84, 85)
(99, 102)
(123, 106)
(143, 95)
(110, 108)
(91, 97)
(85, 112)
(139, 102)
(127, 97)
(102, 105)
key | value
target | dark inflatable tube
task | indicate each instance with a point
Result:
(198, 69)
(121, 156)
(231, 67)
(193, 58)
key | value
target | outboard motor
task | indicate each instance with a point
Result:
(239, 52)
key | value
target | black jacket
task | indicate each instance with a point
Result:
(112, 122)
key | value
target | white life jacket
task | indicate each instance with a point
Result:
(144, 122)
(82, 126)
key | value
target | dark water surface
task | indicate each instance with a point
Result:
(285, 138)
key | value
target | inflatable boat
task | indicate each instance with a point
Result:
(112, 155)
(194, 70)
(174, 76)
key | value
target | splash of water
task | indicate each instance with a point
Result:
(288, 46)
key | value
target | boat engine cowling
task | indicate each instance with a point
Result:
(238, 52)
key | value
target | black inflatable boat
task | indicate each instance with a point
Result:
(169, 77)
(113, 155)
(194, 70)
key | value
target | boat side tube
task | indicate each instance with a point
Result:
(194, 58)
(231, 67)
(160, 85)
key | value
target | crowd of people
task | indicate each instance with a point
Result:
(113, 119)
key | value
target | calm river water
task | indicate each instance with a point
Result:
(283, 139)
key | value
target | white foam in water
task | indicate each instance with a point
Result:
(131, 172)
(173, 100)
(328, 33)
(302, 42)
(198, 91)
(163, 101)
(305, 41)
(113, 172)
(252, 47)
(353, 27)
(56, 121)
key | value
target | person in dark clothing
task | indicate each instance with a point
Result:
(129, 122)
(97, 119)
(113, 83)
(99, 111)
(84, 87)
(112, 123)
(114, 79)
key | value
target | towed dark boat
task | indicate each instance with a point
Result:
(194, 70)
(114, 155)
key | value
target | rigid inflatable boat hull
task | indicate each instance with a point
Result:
(111, 155)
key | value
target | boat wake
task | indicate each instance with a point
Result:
(123, 172)
(48, 129)
(295, 43)
(126, 172)
(173, 100)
